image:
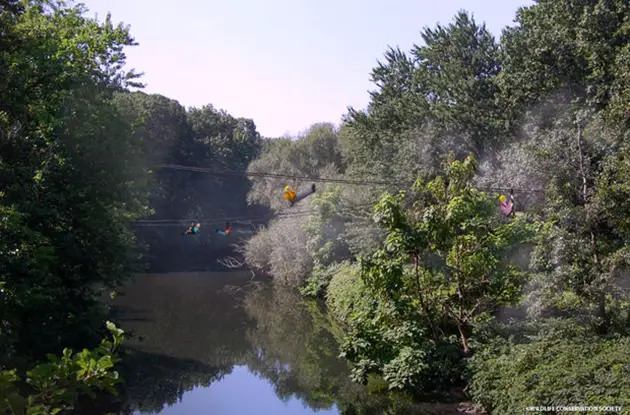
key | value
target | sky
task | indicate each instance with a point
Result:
(286, 64)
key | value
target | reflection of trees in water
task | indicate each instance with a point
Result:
(187, 331)
(190, 330)
(154, 381)
(187, 316)
(296, 348)
(297, 356)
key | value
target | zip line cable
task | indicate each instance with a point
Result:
(216, 222)
(228, 219)
(282, 214)
(274, 175)
(179, 225)
(180, 222)
(226, 172)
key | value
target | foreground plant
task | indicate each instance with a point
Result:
(55, 386)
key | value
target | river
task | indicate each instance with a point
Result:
(222, 344)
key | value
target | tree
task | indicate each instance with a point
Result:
(228, 141)
(223, 142)
(566, 45)
(442, 271)
(583, 251)
(69, 180)
(209, 138)
(457, 70)
(441, 97)
(456, 250)
(315, 153)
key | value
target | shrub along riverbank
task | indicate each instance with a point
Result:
(433, 286)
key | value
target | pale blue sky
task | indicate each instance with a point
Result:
(284, 63)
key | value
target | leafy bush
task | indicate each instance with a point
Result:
(317, 282)
(390, 340)
(398, 347)
(558, 369)
(281, 250)
(56, 385)
(346, 293)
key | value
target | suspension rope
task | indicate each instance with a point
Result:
(179, 222)
(209, 221)
(283, 214)
(227, 172)
(179, 225)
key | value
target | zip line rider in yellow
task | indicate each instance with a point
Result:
(293, 198)
(289, 194)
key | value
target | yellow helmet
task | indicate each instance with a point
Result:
(286, 189)
(502, 198)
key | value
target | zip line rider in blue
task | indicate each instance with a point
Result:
(226, 231)
(192, 229)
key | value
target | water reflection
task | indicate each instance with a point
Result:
(298, 351)
(219, 343)
(154, 382)
(239, 393)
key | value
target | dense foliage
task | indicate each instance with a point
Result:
(420, 285)
(198, 138)
(419, 273)
(77, 153)
(69, 179)
(559, 367)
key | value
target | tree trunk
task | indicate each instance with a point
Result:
(464, 338)
(426, 311)
(601, 297)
